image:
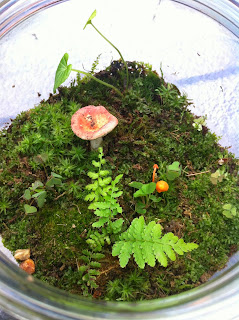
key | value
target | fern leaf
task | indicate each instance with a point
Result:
(100, 223)
(97, 256)
(123, 250)
(90, 197)
(138, 256)
(98, 205)
(148, 254)
(117, 179)
(116, 194)
(104, 173)
(102, 213)
(160, 255)
(96, 164)
(117, 225)
(93, 175)
(146, 244)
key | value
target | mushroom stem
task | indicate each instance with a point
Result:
(95, 144)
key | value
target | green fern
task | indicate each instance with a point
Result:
(89, 270)
(104, 194)
(97, 240)
(146, 244)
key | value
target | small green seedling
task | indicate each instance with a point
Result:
(90, 22)
(218, 176)
(63, 71)
(145, 192)
(173, 171)
(198, 123)
(229, 211)
(37, 192)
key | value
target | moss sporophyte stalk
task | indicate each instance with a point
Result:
(151, 213)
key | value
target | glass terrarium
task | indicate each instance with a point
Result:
(194, 46)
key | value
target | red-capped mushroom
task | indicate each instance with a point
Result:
(92, 123)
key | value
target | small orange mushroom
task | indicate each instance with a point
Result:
(162, 186)
(155, 166)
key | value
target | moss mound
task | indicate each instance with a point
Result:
(155, 126)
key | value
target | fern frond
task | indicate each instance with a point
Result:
(146, 244)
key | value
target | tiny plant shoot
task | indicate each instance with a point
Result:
(63, 71)
(90, 22)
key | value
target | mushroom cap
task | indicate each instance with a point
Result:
(90, 123)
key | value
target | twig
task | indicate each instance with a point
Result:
(61, 195)
(77, 207)
(195, 174)
(107, 270)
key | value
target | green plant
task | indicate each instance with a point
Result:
(218, 176)
(5, 204)
(173, 171)
(145, 192)
(199, 122)
(128, 288)
(89, 270)
(104, 194)
(38, 192)
(146, 244)
(89, 21)
(229, 211)
(97, 240)
(63, 71)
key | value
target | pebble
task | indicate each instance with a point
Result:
(22, 254)
(28, 266)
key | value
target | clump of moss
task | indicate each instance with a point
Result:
(155, 126)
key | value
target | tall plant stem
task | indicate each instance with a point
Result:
(126, 67)
(98, 80)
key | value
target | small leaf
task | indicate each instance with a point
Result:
(96, 164)
(95, 264)
(227, 206)
(139, 193)
(136, 185)
(53, 181)
(90, 197)
(41, 199)
(41, 158)
(55, 175)
(175, 166)
(100, 222)
(140, 208)
(103, 173)
(117, 225)
(234, 211)
(63, 71)
(30, 209)
(27, 194)
(173, 171)
(36, 185)
(116, 194)
(148, 188)
(93, 175)
(154, 198)
(90, 18)
(117, 179)
(97, 256)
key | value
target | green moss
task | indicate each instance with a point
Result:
(155, 126)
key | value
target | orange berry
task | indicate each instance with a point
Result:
(28, 266)
(162, 186)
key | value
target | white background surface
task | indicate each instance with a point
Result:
(196, 53)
